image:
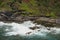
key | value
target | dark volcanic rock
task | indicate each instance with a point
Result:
(28, 32)
(12, 16)
(33, 28)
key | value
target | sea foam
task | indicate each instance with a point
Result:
(23, 29)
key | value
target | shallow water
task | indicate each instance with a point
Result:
(15, 31)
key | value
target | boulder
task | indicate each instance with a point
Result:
(33, 28)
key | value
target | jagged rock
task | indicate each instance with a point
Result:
(48, 28)
(33, 28)
(11, 16)
(46, 19)
(28, 32)
(48, 22)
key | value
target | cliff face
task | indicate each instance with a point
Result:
(22, 10)
(11, 16)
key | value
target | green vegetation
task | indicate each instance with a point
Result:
(36, 7)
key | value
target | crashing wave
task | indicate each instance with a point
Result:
(25, 30)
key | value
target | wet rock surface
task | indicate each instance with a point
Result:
(33, 28)
(11, 16)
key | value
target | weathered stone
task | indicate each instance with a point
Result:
(28, 32)
(58, 20)
(33, 28)
(11, 16)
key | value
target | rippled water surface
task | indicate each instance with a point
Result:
(15, 31)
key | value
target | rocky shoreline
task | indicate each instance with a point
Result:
(12, 17)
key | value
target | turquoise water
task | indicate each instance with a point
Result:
(36, 37)
(48, 36)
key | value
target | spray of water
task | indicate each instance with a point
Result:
(24, 30)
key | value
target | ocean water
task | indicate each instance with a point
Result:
(16, 31)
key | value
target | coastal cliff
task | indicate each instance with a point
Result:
(12, 16)
(45, 12)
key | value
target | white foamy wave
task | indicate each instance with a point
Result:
(2, 23)
(24, 30)
(55, 30)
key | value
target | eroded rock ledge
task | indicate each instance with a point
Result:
(12, 17)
